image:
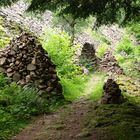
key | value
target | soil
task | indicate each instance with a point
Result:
(85, 119)
(67, 123)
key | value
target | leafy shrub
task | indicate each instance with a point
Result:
(58, 45)
(137, 53)
(128, 57)
(17, 104)
(101, 50)
(134, 29)
(4, 39)
(125, 46)
(120, 58)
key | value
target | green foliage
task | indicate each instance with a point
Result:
(125, 46)
(98, 89)
(137, 53)
(4, 39)
(101, 50)
(134, 29)
(73, 88)
(105, 11)
(58, 45)
(17, 105)
(7, 2)
(65, 22)
(96, 34)
(128, 57)
(120, 58)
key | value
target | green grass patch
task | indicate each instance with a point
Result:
(98, 89)
(74, 88)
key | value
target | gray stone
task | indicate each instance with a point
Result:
(2, 61)
(16, 77)
(31, 67)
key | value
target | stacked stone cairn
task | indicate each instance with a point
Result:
(88, 57)
(112, 93)
(109, 64)
(26, 62)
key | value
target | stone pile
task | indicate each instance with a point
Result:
(109, 64)
(88, 57)
(26, 62)
(112, 93)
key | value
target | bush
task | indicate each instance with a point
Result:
(17, 105)
(134, 29)
(4, 39)
(58, 46)
(125, 46)
(101, 50)
(128, 56)
(120, 58)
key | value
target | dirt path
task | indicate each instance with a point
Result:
(65, 124)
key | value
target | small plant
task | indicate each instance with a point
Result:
(120, 58)
(134, 29)
(125, 46)
(101, 50)
(17, 105)
(58, 45)
(4, 39)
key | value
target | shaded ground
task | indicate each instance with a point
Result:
(87, 120)
(65, 124)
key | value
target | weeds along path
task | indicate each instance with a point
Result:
(67, 123)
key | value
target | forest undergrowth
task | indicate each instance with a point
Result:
(19, 105)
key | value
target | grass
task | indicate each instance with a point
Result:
(115, 121)
(18, 105)
(73, 88)
(97, 91)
